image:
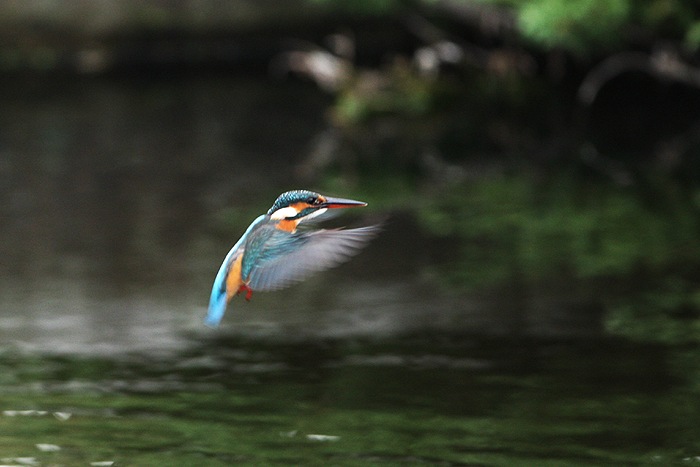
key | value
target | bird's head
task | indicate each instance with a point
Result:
(298, 205)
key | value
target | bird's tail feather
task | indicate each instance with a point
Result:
(218, 299)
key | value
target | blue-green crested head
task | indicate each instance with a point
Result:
(304, 204)
(295, 197)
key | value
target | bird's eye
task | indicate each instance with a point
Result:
(312, 200)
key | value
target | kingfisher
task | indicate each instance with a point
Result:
(273, 253)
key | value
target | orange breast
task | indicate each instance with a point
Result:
(233, 279)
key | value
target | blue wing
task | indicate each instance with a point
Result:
(275, 259)
(218, 299)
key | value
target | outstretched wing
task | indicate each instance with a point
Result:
(275, 259)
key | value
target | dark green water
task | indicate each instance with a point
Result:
(512, 312)
(428, 400)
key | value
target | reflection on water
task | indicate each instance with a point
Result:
(119, 200)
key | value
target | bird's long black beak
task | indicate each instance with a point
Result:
(335, 203)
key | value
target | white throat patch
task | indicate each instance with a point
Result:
(289, 211)
(284, 213)
(314, 214)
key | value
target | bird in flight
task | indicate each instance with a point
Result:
(273, 254)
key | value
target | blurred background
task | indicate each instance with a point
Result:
(533, 299)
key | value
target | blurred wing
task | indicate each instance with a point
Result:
(288, 258)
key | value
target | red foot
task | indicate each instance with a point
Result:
(248, 291)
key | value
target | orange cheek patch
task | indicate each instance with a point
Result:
(290, 225)
(300, 206)
(287, 225)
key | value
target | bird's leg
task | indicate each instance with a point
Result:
(248, 291)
